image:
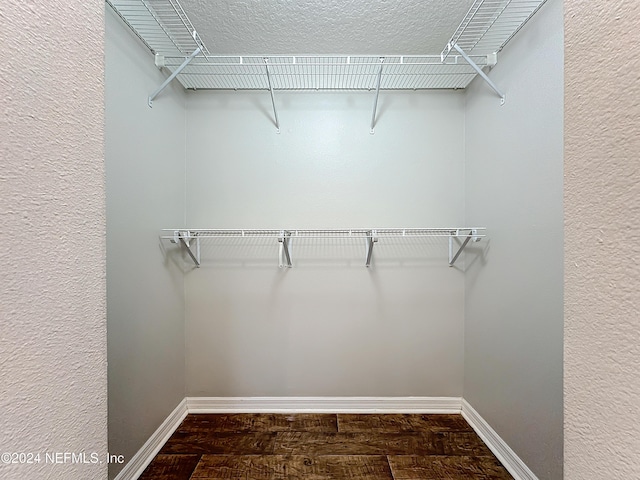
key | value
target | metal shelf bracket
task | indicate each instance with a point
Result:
(472, 236)
(175, 73)
(372, 237)
(273, 101)
(480, 72)
(375, 102)
(285, 249)
(187, 239)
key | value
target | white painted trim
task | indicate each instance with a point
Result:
(134, 467)
(516, 467)
(324, 404)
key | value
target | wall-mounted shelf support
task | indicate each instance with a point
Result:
(480, 72)
(375, 102)
(285, 249)
(175, 73)
(472, 235)
(273, 101)
(372, 237)
(187, 238)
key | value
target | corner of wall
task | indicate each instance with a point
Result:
(145, 157)
(514, 286)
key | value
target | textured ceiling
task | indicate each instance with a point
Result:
(391, 27)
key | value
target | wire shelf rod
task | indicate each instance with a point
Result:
(173, 75)
(273, 100)
(375, 107)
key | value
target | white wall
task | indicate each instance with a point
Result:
(514, 313)
(145, 193)
(329, 326)
(602, 208)
(53, 358)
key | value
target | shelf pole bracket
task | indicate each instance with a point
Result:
(473, 235)
(175, 73)
(285, 245)
(273, 101)
(372, 237)
(480, 72)
(186, 239)
(375, 102)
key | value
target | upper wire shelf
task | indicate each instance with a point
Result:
(162, 25)
(490, 24)
(191, 239)
(165, 28)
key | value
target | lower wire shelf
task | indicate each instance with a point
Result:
(191, 239)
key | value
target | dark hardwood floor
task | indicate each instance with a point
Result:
(323, 447)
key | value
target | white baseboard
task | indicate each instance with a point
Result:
(324, 404)
(516, 467)
(496, 444)
(134, 467)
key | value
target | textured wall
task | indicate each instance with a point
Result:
(145, 150)
(329, 326)
(53, 362)
(602, 208)
(513, 320)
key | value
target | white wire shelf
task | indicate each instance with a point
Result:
(165, 28)
(162, 25)
(191, 239)
(490, 24)
(167, 31)
(326, 72)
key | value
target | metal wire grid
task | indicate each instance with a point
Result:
(357, 233)
(161, 24)
(326, 72)
(165, 28)
(490, 24)
(194, 240)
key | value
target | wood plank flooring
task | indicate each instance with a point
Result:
(324, 447)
